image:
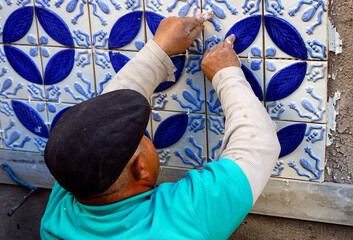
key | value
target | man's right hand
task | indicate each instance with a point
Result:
(175, 34)
(218, 57)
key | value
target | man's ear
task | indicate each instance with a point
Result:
(139, 168)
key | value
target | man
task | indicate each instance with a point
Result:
(106, 170)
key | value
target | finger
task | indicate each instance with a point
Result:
(195, 32)
(203, 17)
(230, 40)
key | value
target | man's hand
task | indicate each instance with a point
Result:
(218, 57)
(175, 34)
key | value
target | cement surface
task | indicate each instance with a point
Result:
(339, 167)
(256, 227)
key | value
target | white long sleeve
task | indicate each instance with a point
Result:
(144, 72)
(250, 139)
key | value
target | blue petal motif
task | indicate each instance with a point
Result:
(179, 62)
(290, 138)
(57, 117)
(286, 81)
(18, 24)
(30, 118)
(153, 20)
(255, 85)
(59, 66)
(170, 130)
(23, 64)
(125, 29)
(285, 36)
(56, 28)
(118, 60)
(245, 32)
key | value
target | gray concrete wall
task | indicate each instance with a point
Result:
(24, 224)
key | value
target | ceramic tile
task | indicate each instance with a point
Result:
(117, 25)
(297, 91)
(187, 94)
(62, 23)
(113, 62)
(253, 70)
(299, 31)
(25, 127)
(17, 22)
(241, 18)
(68, 75)
(20, 72)
(180, 138)
(156, 10)
(302, 151)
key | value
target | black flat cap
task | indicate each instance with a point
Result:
(92, 142)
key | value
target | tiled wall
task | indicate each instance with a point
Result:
(54, 54)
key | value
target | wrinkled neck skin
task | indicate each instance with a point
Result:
(140, 175)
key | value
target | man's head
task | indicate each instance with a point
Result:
(94, 141)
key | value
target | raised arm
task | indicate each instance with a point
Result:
(250, 139)
(152, 65)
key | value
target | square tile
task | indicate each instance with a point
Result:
(68, 75)
(243, 19)
(297, 91)
(302, 151)
(25, 128)
(180, 138)
(63, 23)
(17, 24)
(117, 25)
(187, 94)
(298, 31)
(253, 70)
(21, 72)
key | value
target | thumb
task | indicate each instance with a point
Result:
(230, 40)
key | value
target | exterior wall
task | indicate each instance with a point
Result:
(24, 224)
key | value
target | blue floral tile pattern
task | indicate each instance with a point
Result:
(55, 54)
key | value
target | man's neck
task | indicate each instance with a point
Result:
(117, 196)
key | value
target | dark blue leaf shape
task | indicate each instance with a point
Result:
(255, 85)
(245, 32)
(59, 66)
(285, 36)
(290, 138)
(17, 24)
(147, 134)
(30, 118)
(125, 29)
(118, 60)
(23, 64)
(286, 81)
(56, 28)
(57, 117)
(153, 20)
(179, 62)
(170, 130)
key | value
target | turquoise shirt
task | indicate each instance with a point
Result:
(209, 204)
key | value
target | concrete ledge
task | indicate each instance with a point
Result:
(321, 202)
